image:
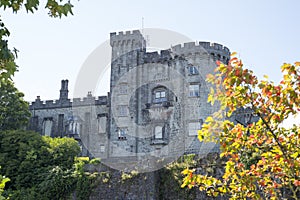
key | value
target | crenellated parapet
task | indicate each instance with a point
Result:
(215, 50)
(129, 38)
(54, 104)
(157, 57)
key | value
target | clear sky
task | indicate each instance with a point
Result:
(264, 33)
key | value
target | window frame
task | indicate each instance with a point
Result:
(192, 70)
(159, 95)
(122, 132)
(194, 92)
(161, 133)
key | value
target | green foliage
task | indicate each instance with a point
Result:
(14, 112)
(3, 181)
(7, 57)
(42, 166)
(263, 159)
(23, 157)
(62, 150)
(57, 184)
(56, 8)
(171, 179)
(84, 180)
(127, 176)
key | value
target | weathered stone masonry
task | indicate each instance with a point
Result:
(155, 98)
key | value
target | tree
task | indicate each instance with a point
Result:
(262, 158)
(3, 181)
(27, 158)
(14, 112)
(63, 151)
(42, 167)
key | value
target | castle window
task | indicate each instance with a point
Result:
(122, 132)
(123, 110)
(101, 120)
(102, 148)
(194, 90)
(158, 132)
(159, 95)
(74, 128)
(47, 126)
(193, 70)
(194, 127)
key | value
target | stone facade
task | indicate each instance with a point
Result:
(156, 104)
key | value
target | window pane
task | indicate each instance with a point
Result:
(194, 90)
(193, 70)
(47, 127)
(160, 96)
(122, 133)
(158, 132)
(157, 95)
(102, 148)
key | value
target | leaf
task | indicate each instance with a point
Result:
(297, 63)
(233, 54)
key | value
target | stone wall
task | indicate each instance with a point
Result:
(164, 184)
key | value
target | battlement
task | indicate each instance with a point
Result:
(129, 38)
(200, 47)
(86, 101)
(126, 33)
(152, 57)
(217, 51)
(214, 50)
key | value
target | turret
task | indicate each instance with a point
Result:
(215, 50)
(123, 43)
(127, 52)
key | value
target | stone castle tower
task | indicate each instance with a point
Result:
(156, 104)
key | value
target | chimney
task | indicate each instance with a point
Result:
(64, 90)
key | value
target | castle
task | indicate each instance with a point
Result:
(156, 104)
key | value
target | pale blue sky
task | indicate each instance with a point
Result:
(264, 33)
